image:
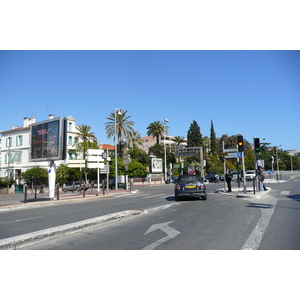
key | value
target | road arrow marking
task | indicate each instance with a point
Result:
(171, 233)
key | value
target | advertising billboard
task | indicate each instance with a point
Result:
(48, 140)
(156, 165)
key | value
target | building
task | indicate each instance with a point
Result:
(150, 141)
(15, 149)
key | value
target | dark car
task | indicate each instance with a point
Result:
(112, 184)
(75, 186)
(190, 186)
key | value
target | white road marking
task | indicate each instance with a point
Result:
(171, 233)
(254, 239)
(285, 193)
(28, 219)
(152, 196)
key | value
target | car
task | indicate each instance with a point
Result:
(75, 186)
(250, 174)
(190, 186)
(222, 177)
(112, 184)
(211, 178)
(234, 175)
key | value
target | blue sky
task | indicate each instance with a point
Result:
(256, 93)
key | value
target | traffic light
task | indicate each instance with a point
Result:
(240, 143)
(256, 145)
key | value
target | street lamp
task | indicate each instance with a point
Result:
(116, 151)
(165, 121)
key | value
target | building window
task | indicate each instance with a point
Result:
(8, 141)
(70, 126)
(70, 141)
(19, 140)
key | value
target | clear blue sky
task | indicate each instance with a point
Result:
(256, 93)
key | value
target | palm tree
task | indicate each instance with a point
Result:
(124, 127)
(157, 129)
(84, 138)
(135, 139)
(178, 139)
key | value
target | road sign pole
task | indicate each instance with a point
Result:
(244, 175)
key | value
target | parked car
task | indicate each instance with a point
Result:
(190, 186)
(74, 186)
(222, 177)
(112, 184)
(250, 174)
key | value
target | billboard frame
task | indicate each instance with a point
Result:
(42, 143)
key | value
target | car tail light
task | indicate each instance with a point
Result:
(177, 186)
(202, 186)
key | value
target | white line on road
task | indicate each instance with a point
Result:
(28, 219)
(285, 193)
(152, 196)
(254, 239)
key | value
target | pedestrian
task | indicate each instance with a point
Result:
(228, 178)
(261, 178)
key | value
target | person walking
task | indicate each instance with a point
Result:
(228, 178)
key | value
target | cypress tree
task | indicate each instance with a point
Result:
(194, 136)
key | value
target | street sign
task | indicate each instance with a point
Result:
(232, 154)
(231, 150)
(95, 165)
(239, 154)
(76, 163)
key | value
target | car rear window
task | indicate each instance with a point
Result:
(189, 178)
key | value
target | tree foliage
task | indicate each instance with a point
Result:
(37, 175)
(157, 129)
(194, 136)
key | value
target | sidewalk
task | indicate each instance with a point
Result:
(17, 200)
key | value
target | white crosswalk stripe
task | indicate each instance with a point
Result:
(285, 193)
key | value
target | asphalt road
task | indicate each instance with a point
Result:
(223, 222)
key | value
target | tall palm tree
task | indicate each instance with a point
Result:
(124, 127)
(135, 139)
(84, 139)
(157, 128)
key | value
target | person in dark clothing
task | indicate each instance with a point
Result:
(261, 178)
(228, 178)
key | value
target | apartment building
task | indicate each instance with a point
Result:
(150, 141)
(15, 148)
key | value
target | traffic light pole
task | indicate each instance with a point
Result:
(244, 175)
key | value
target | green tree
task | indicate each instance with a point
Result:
(118, 121)
(64, 174)
(139, 155)
(194, 136)
(157, 129)
(135, 168)
(213, 139)
(37, 175)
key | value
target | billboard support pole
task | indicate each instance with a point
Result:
(51, 179)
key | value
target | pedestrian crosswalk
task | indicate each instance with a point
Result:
(285, 193)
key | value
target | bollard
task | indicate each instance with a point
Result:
(83, 191)
(35, 193)
(57, 191)
(254, 179)
(25, 194)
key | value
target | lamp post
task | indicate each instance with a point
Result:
(165, 121)
(116, 151)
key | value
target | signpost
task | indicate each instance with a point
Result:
(95, 160)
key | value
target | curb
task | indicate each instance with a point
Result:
(61, 201)
(32, 238)
(258, 195)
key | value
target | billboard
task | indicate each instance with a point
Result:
(48, 140)
(156, 165)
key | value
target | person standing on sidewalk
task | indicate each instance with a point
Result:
(261, 178)
(228, 178)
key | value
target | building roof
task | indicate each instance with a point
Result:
(105, 146)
